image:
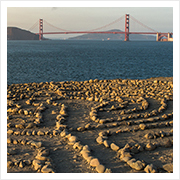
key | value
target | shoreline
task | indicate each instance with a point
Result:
(94, 126)
(151, 78)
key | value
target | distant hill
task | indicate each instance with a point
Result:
(114, 36)
(14, 33)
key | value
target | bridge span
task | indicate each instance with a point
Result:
(159, 35)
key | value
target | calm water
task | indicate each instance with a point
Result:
(41, 61)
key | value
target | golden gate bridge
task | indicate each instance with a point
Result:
(159, 35)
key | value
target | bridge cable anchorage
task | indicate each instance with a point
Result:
(117, 20)
(142, 24)
(33, 26)
(56, 27)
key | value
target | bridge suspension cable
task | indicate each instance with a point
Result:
(142, 24)
(117, 20)
(55, 26)
(33, 26)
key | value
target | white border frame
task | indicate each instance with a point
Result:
(5, 4)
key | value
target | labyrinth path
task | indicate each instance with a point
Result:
(95, 126)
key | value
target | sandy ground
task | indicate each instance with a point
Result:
(50, 124)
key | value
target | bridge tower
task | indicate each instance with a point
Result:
(40, 29)
(170, 37)
(126, 27)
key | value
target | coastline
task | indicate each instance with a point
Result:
(131, 121)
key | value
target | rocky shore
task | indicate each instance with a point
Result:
(94, 126)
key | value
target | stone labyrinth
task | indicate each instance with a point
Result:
(95, 126)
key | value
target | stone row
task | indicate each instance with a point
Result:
(84, 151)
(61, 118)
(161, 134)
(108, 89)
(94, 117)
(142, 127)
(75, 142)
(141, 122)
(33, 132)
(126, 153)
(41, 163)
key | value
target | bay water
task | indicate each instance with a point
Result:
(79, 60)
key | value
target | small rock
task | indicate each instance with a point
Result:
(138, 165)
(36, 144)
(150, 147)
(149, 136)
(34, 133)
(37, 162)
(29, 142)
(162, 133)
(131, 161)
(125, 154)
(9, 163)
(17, 133)
(73, 139)
(23, 132)
(58, 117)
(140, 148)
(88, 126)
(30, 125)
(150, 169)
(23, 142)
(63, 133)
(16, 162)
(15, 141)
(21, 164)
(125, 159)
(168, 167)
(45, 169)
(58, 124)
(85, 154)
(114, 147)
(37, 166)
(108, 170)
(94, 162)
(19, 126)
(100, 168)
(102, 121)
(26, 112)
(53, 112)
(9, 140)
(86, 147)
(89, 158)
(106, 143)
(142, 126)
(28, 133)
(99, 140)
(40, 133)
(63, 112)
(10, 132)
(78, 146)
(80, 128)
(55, 132)
(42, 158)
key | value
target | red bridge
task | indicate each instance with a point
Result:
(159, 35)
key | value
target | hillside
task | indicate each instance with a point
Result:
(113, 36)
(14, 33)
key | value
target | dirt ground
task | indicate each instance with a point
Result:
(136, 114)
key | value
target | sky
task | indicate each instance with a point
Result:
(86, 18)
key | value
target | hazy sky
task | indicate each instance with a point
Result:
(87, 18)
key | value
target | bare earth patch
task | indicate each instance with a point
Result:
(95, 126)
